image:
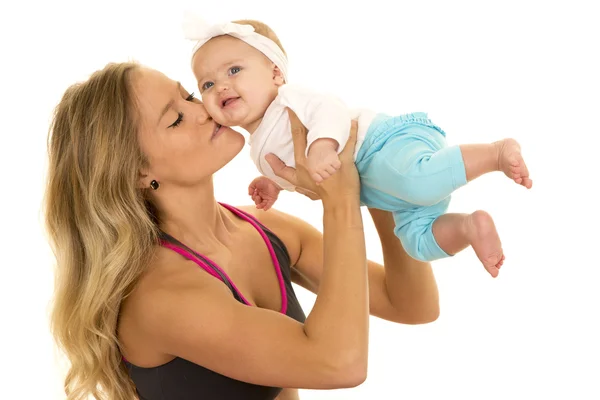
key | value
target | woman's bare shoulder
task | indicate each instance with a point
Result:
(166, 273)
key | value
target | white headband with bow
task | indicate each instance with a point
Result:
(195, 28)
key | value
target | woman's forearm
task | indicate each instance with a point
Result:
(339, 320)
(410, 283)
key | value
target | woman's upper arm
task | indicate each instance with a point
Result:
(247, 343)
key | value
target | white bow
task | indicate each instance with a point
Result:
(197, 29)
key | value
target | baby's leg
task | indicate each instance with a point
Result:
(454, 232)
(425, 171)
(428, 234)
(323, 160)
(414, 228)
(420, 172)
(504, 155)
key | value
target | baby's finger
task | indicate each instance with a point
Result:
(330, 169)
(268, 205)
(324, 174)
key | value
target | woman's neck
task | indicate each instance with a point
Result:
(192, 215)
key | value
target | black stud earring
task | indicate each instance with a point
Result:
(154, 185)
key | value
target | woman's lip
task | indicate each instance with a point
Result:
(217, 130)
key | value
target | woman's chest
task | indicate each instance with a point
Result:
(252, 268)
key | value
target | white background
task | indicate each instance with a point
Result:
(482, 70)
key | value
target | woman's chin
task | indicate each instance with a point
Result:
(229, 138)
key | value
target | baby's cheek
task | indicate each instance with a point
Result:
(212, 110)
(218, 116)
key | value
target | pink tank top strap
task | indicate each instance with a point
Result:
(214, 270)
(254, 222)
(211, 267)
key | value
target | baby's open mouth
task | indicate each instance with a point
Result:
(227, 101)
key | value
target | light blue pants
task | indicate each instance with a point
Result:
(406, 167)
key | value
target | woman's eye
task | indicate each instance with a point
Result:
(191, 97)
(177, 121)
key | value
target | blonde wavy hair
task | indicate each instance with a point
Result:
(101, 226)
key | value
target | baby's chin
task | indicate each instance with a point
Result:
(232, 120)
(229, 122)
(238, 117)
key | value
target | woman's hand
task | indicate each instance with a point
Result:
(344, 183)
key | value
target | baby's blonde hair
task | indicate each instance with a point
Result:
(262, 29)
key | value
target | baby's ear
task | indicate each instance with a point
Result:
(278, 78)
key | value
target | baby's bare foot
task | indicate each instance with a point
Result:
(511, 162)
(323, 160)
(485, 241)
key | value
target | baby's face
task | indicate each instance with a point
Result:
(236, 81)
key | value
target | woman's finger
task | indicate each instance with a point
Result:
(348, 152)
(311, 195)
(299, 133)
(280, 169)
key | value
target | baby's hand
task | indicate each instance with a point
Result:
(264, 192)
(323, 160)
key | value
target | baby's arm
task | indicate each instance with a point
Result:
(328, 122)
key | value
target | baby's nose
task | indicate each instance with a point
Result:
(222, 86)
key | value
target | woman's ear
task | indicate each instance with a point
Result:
(143, 179)
(278, 78)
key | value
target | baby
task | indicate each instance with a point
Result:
(404, 162)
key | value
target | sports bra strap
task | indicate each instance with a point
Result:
(213, 269)
(170, 242)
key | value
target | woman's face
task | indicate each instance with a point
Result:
(182, 143)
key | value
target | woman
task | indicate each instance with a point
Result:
(162, 290)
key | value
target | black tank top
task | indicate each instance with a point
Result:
(183, 380)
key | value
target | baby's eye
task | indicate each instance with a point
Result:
(207, 85)
(234, 70)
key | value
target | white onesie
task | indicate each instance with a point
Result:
(323, 115)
